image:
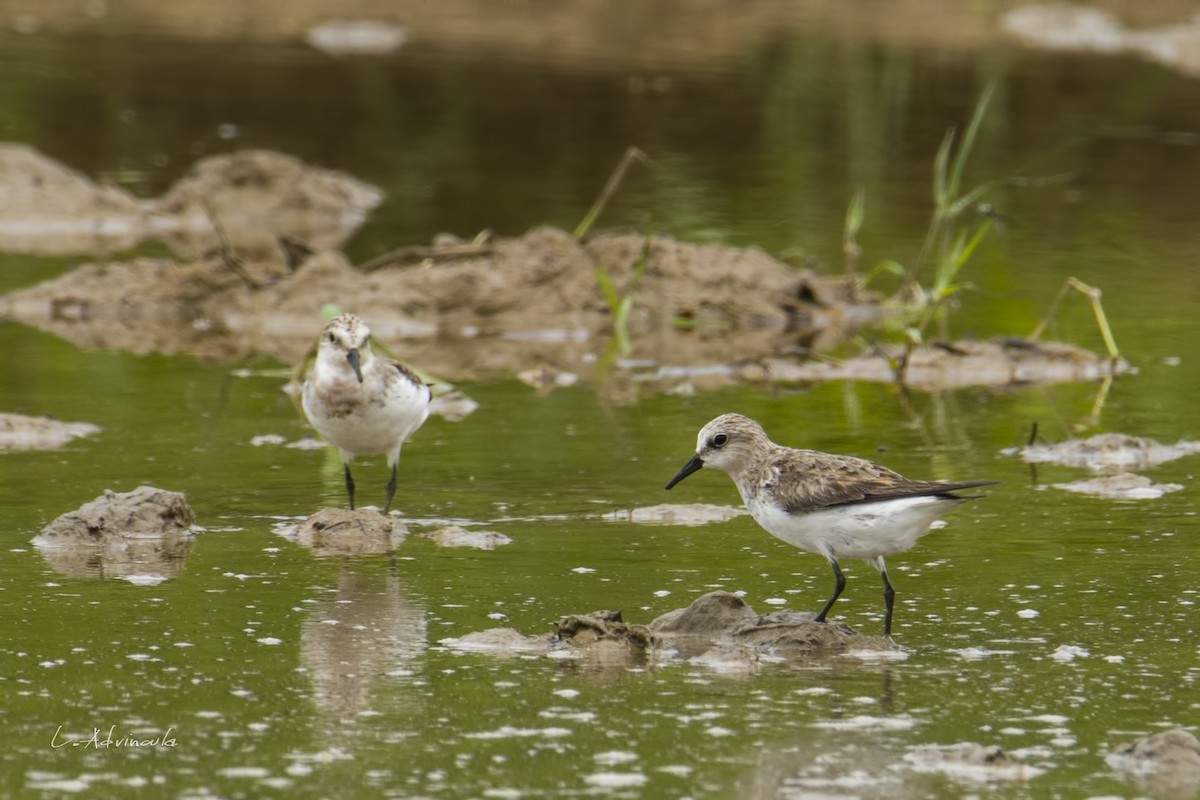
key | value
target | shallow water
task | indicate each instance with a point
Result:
(1055, 625)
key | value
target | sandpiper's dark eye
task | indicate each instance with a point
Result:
(332, 339)
(719, 440)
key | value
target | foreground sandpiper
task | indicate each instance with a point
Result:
(834, 506)
(362, 404)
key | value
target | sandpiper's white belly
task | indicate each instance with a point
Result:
(862, 530)
(377, 420)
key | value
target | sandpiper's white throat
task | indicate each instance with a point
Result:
(834, 506)
(362, 404)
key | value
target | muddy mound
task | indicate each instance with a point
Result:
(143, 536)
(144, 512)
(255, 197)
(242, 202)
(50, 209)
(19, 432)
(718, 630)
(342, 532)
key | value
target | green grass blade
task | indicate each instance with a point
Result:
(855, 213)
(611, 297)
(968, 140)
(941, 191)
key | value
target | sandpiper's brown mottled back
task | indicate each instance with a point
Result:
(362, 404)
(831, 505)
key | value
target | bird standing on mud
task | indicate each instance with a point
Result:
(831, 505)
(362, 404)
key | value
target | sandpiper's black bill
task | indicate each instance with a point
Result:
(355, 363)
(688, 468)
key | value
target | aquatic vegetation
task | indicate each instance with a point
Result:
(959, 224)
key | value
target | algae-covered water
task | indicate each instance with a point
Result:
(1052, 624)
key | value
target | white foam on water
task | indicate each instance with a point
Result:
(512, 732)
(616, 780)
(610, 758)
(864, 722)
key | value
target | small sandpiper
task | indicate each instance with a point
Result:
(362, 404)
(834, 506)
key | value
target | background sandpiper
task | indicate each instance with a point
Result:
(834, 506)
(362, 404)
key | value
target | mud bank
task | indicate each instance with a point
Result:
(527, 300)
(701, 314)
(262, 230)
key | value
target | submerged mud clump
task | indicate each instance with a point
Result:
(1166, 764)
(687, 514)
(458, 536)
(1122, 486)
(970, 763)
(1111, 455)
(1003, 361)
(1107, 452)
(143, 535)
(718, 630)
(19, 432)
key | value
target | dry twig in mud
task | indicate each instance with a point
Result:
(1092, 294)
(295, 252)
(614, 182)
(415, 254)
(225, 250)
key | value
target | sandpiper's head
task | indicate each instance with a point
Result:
(730, 443)
(346, 336)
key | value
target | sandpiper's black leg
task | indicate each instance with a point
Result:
(889, 598)
(391, 490)
(837, 590)
(349, 485)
